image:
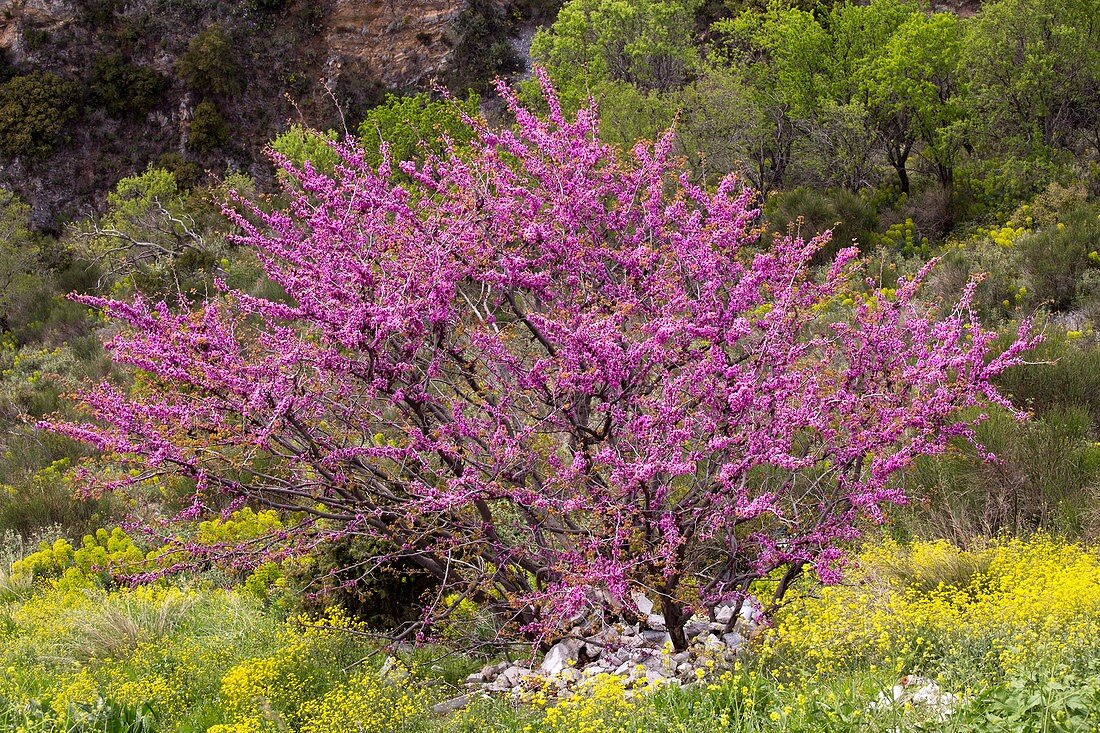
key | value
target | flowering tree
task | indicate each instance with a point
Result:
(547, 376)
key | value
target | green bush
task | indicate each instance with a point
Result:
(33, 111)
(124, 89)
(209, 64)
(207, 130)
(1045, 477)
(1055, 258)
(1064, 373)
(809, 211)
(415, 125)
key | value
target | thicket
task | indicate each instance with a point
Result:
(34, 109)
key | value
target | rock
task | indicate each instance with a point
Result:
(645, 606)
(656, 622)
(659, 638)
(713, 644)
(475, 679)
(492, 671)
(455, 703)
(723, 614)
(514, 675)
(654, 675)
(561, 655)
(733, 640)
(592, 651)
(918, 691)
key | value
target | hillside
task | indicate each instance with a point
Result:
(130, 92)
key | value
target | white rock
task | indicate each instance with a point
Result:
(513, 675)
(645, 606)
(733, 640)
(656, 622)
(560, 656)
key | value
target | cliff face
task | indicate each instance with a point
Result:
(314, 61)
(23, 21)
(400, 43)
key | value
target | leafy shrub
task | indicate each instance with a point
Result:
(415, 126)
(33, 111)
(207, 130)
(1023, 490)
(810, 211)
(1055, 258)
(125, 89)
(209, 64)
(300, 144)
(1064, 375)
(187, 173)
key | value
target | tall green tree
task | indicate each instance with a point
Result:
(1034, 71)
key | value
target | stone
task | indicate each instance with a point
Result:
(453, 704)
(733, 640)
(512, 676)
(659, 638)
(656, 622)
(654, 675)
(645, 606)
(561, 655)
(492, 671)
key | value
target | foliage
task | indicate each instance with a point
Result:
(207, 129)
(34, 109)
(576, 335)
(1034, 69)
(299, 144)
(1055, 258)
(209, 65)
(644, 43)
(415, 127)
(152, 232)
(126, 90)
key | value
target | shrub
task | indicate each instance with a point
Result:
(416, 126)
(207, 130)
(209, 64)
(126, 90)
(1045, 476)
(1055, 258)
(810, 211)
(33, 111)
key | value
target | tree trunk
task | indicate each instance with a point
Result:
(675, 618)
(903, 177)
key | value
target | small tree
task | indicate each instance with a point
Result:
(209, 64)
(547, 376)
(33, 111)
(207, 129)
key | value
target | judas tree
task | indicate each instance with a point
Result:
(548, 376)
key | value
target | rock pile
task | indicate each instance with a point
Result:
(641, 654)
